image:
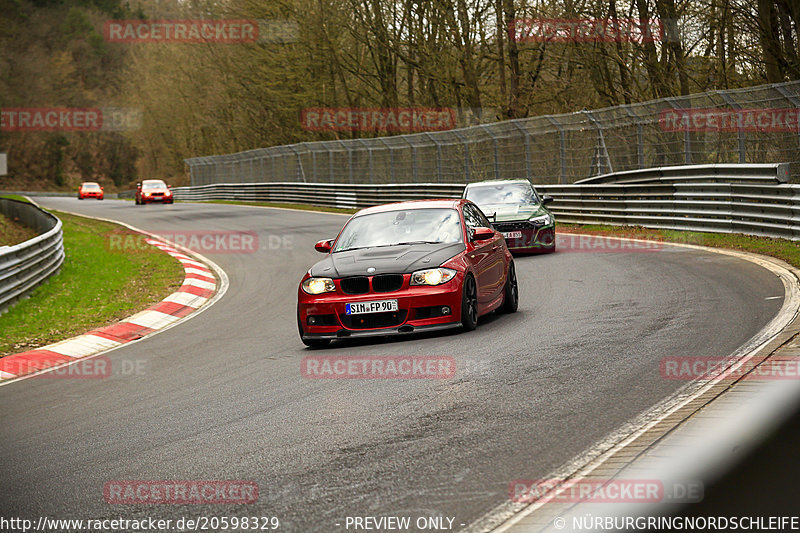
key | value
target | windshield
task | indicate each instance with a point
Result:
(503, 193)
(154, 185)
(409, 226)
(91, 186)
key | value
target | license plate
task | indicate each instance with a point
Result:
(380, 306)
(512, 235)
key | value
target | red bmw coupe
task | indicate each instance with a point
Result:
(406, 267)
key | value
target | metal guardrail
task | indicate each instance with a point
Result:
(560, 148)
(26, 265)
(769, 173)
(674, 201)
(323, 194)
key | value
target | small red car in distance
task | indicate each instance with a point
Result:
(90, 189)
(149, 191)
(407, 267)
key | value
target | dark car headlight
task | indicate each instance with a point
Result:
(318, 285)
(432, 276)
(544, 220)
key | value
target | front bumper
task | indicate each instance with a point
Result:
(152, 199)
(534, 238)
(420, 308)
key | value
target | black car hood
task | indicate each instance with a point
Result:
(400, 259)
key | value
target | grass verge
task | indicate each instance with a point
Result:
(96, 286)
(15, 197)
(783, 249)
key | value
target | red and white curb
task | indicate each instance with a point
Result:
(200, 288)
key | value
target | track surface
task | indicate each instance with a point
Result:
(221, 396)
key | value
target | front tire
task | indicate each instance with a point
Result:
(469, 304)
(511, 291)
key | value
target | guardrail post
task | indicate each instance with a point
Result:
(562, 151)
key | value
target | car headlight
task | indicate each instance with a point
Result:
(543, 220)
(433, 276)
(318, 285)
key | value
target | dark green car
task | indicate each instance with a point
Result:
(517, 212)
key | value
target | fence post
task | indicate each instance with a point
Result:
(438, 156)
(639, 135)
(413, 158)
(391, 158)
(562, 150)
(466, 153)
(527, 139)
(687, 139)
(369, 156)
(794, 100)
(496, 151)
(741, 136)
(299, 172)
(601, 149)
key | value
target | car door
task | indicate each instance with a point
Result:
(486, 257)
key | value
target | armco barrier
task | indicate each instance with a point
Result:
(766, 173)
(761, 206)
(26, 265)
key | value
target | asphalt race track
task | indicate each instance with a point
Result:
(221, 395)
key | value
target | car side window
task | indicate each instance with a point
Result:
(471, 217)
(484, 222)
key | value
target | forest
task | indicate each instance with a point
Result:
(192, 78)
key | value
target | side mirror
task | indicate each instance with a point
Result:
(547, 199)
(323, 247)
(102, 188)
(481, 234)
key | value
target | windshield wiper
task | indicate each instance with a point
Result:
(392, 244)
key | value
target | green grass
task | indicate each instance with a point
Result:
(15, 197)
(299, 207)
(97, 286)
(783, 249)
